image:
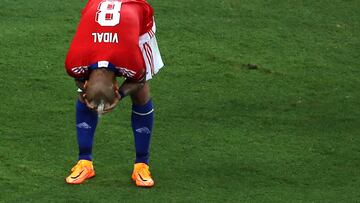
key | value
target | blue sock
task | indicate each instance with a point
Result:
(86, 122)
(142, 118)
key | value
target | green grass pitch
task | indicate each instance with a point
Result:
(286, 131)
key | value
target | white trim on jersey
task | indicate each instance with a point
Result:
(150, 52)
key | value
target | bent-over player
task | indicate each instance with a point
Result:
(115, 38)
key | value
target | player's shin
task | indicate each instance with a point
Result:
(86, 122)
(142, 123)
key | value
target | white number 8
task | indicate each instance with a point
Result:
(108, 13)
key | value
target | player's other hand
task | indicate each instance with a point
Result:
(109, 107)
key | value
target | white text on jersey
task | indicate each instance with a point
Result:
(106, 37)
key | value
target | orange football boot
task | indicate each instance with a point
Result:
(142, 176)
(83, 170)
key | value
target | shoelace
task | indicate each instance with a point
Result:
(78, 166)
(144, 173)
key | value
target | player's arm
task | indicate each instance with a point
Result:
(129, 87)
(80, 84)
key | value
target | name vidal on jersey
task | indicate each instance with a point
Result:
(106, 37)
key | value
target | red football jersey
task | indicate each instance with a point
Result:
(108, 36)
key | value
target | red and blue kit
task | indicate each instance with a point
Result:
(118, 35)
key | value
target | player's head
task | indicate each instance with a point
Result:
(100, 90)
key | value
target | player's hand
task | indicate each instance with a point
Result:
(114, 103)
(88, 104)
(106, 107)
(83, 96)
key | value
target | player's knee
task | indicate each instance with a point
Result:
(140, 100)
(142, 96)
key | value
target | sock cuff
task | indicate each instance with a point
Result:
(143, 109)
(81, 106)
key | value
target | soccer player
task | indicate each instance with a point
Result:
(115, 38)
